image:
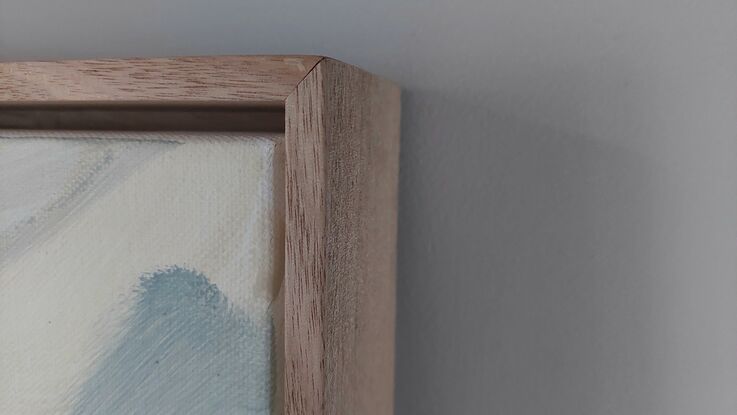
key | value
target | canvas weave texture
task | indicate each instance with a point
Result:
(138, 272)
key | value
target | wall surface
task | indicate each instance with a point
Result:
(568, 225)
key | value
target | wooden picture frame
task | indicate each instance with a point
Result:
(341, 127)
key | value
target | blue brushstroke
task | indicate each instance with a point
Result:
(185, 351)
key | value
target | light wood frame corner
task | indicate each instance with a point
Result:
(341, 127)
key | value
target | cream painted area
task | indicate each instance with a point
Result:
(202, 202)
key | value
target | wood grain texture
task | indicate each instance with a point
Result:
(342, 142)
(235, 80)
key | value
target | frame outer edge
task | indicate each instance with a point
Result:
(342, 143)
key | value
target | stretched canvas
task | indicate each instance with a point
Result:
(138, 272)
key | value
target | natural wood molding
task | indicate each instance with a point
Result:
(342, 140)
(228, 80)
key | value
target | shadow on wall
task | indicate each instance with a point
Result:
(533, 244)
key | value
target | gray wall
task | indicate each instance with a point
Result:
(568, 231)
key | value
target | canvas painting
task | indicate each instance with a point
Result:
(138, 272)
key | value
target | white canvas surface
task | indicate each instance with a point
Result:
(137, 272)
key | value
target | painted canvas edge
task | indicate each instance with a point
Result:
(342, 143)
(126, 137)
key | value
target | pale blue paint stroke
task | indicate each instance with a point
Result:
(186, 350)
